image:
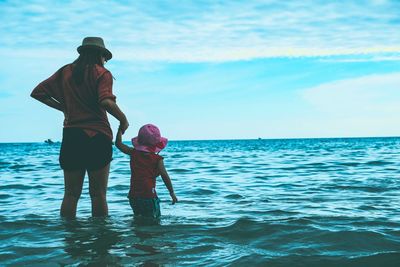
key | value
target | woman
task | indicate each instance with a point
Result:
(83, 92)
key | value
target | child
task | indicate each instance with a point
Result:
(146, 165)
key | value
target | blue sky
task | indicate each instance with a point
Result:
(213, 69)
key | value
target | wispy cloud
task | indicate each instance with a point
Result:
(373, 95)
(364, 58)
(193, 31)
(363, 106)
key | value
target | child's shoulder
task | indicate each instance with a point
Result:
(145, 154)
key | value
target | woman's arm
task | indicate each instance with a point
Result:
(114, 110)
(167, 180)
(123, 148)
(51, 102)
(48, 92)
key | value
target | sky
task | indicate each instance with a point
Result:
(213, 69)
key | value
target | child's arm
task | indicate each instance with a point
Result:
(167, 181)
(118, 143)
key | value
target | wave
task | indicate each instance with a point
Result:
(370, 189)
(378, 163)
(202, 192)
(234, 196)
(387, 259)
(20, 186)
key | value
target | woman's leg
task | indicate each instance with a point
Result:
(73, 182)
(98, 181)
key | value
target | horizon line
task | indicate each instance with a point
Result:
(238, 139)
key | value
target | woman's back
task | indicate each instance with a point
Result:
(81, 101)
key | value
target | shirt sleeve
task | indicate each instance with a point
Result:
(48, 88)
(104, 87)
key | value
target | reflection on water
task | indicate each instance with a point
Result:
(91, 241)
(101, 242)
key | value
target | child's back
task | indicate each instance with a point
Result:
(146, 165)
(144, 170)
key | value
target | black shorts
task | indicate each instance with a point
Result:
(79, 151)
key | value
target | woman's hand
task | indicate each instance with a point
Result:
(123, 126)
(52, 102)
(174, 199)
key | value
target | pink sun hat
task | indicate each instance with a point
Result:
(149, 139)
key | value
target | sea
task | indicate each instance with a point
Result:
(289, 202)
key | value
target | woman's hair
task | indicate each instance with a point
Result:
(85, 62)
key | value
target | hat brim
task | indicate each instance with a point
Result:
(149, 148)
(107, 53)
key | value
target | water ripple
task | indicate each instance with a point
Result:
(316, 202)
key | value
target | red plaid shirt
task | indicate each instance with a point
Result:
(81, 103)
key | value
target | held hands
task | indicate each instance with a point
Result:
(123, 126)
(173, 197)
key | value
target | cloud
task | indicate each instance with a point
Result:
(363, 106)
(363, 58)
(198, 31)
(370, 96)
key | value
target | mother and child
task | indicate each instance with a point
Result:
(83, 91)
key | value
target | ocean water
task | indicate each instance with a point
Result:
(300, 202)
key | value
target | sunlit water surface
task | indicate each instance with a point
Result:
(304, 202)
